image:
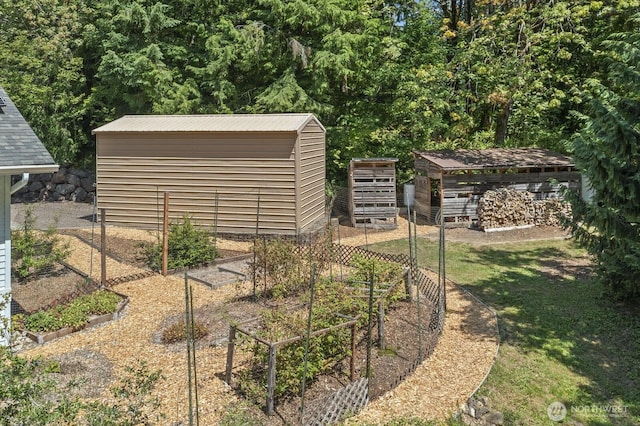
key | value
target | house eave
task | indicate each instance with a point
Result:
(16, 170)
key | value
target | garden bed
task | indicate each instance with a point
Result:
(94, 320)
(155, 301)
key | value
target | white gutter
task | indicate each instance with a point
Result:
(20, 184)
(14, 170)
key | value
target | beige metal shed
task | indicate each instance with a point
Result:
(238, 171)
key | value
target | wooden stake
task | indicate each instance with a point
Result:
(231, 345)
(271, 379)
(103, 248)
(165, 235)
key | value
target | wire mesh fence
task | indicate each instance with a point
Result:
(373, 351)
(51, 266)
(396, 329)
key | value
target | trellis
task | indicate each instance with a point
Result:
(234, 329)
(350, 397)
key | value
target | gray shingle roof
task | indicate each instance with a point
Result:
(20, 148)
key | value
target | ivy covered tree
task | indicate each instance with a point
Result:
(607, 150)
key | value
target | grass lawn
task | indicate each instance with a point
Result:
(561, 339)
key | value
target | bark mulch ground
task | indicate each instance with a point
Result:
(462, 358)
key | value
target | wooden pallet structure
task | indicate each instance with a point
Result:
(372, 193)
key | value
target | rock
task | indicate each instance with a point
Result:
(35, 186)
(80, 173)
(65, 189)
(73, 180)
(88, 183)
(60, 176)
(476, 412)
(56, 197)
(494, 418)
(79, 195)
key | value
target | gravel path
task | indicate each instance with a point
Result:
(434, 391)
(62, 214)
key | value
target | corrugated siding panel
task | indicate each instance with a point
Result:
(197, 145)
(132, 191)
(311, 197)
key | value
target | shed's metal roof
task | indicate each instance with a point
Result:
(209, 123)
(21, 151)
(496, 158)
(375, 160)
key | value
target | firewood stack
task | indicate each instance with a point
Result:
(550, 211)
(506, 208)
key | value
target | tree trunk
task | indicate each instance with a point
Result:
(501, 123)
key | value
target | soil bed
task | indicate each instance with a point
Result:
(40, 291)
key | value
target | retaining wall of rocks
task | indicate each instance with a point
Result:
(68, 183)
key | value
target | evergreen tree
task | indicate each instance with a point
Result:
(607, 150)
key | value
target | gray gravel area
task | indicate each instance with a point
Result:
(61, 214)
(222, 273)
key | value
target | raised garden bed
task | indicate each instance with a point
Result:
(94, 320)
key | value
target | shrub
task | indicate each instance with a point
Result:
(325, 350)
(30, 396)
(287, 266)
(178, 332)
(34, 252)
(187, 246)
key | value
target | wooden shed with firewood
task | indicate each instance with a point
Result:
(372, 192)
(450, 183)
(243, 173)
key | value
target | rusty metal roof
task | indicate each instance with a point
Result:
(495, 158)
(209, 123)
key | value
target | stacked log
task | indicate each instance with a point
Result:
(551, 211)
(508, 208)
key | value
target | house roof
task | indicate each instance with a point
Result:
(209, 123)
(21, 151)
(495, 158)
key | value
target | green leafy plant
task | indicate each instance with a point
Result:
(31, 396)
(333, 302)
(35, 252)
(133, 401)
(178, 332)
(187, 246)
(75, 314)
(285, 267)
(239, 415)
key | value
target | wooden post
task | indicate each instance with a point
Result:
(271, 379)
(353, 350)
(381, 324)
(165, 235)
(231, 345)
(103, 248)
(408, 284)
